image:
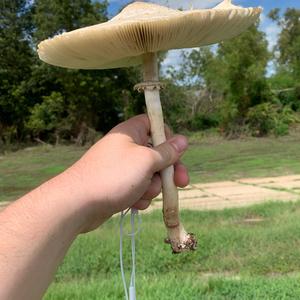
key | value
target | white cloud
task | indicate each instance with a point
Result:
(173, 59)
(272, 31)
(262, 18)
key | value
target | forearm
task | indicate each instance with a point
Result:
(35, 234)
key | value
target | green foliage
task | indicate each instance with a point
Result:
(196, 90)
(214, 86)
(290, 97)
(203, 121)
(200, 67)
(235, 72)
(48, 115)
(228, 114)
(267, 118)
(282, 79)
(289, 39)
(174, 102)
(57, 16)
(15, 62)
(93, 100)
(244, 59)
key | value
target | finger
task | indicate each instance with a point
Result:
(136, 129)
(168, 132)
(142, 204)
(154, 188)
(168, 153)
(181, 176)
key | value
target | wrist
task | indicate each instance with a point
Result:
(64, 201)
(74, 197)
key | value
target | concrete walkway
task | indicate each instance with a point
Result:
(239, 193)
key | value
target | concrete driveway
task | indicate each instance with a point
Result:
(239, 193)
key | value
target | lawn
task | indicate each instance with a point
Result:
(25, 169)
(210, 158)
(249, 253)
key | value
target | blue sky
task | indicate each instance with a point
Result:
(270, 28)
(115, 5)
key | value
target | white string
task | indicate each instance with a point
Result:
(121, 254)
(131, 295)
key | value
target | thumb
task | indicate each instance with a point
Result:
(169, 152)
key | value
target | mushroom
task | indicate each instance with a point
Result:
(134, 37)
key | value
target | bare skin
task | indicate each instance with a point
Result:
(118, 172)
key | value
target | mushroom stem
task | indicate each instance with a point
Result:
(179, 239)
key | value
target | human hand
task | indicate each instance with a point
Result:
(120, 171)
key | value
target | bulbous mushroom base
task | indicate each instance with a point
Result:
(189, 244)
(181, 241)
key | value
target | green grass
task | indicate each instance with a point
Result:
(23, 170)
(214, 159)
(210, 158)
(236, 259)
(187, 287)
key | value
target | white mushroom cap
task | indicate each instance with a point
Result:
(141, 28)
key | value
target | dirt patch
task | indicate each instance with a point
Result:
(253, 221)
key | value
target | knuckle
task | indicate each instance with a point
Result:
(150, 155)
(150, 158)
(168, 153)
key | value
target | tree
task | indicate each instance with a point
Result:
(16, 58)
(49, 116)
(244, 60)
(231, 78)
(95, 98)
(285, 82)
(37, 99)
(288, 46)
(58, 16)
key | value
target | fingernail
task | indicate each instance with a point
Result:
(180, 143)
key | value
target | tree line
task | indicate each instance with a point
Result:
(229, 87)
(224, 87)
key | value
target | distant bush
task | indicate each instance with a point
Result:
(232, 125)
(48, 118)
(269, 118)
(290, 97)
(203, 121)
